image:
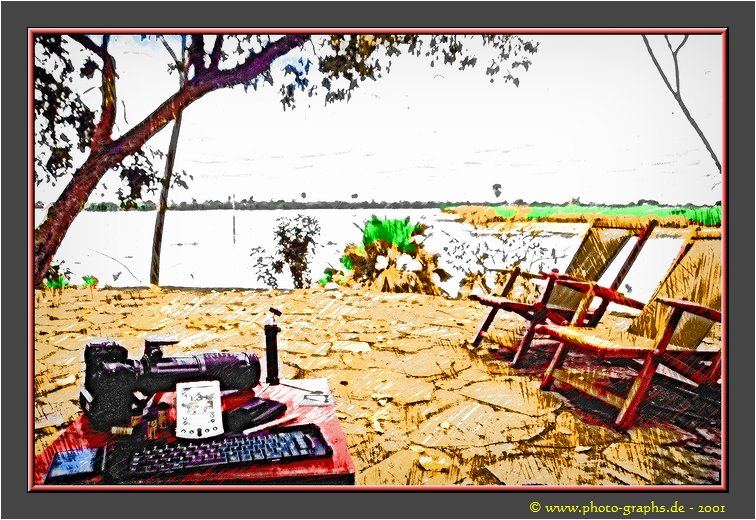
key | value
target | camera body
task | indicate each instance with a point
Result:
(112, 381)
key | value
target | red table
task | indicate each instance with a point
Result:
(337, 469)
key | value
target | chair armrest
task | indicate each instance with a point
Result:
(599, 291)
(564, 279)
(524, 274)
(617, 297)
(693, 308)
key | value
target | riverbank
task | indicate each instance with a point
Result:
(667, 216)
(417, 404)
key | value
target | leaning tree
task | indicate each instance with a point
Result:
(180, 65)
(80, 143)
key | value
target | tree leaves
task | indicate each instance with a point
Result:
(61, 118)
(139, 173)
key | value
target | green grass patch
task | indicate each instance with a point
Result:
(504, 211)
(327, 277)
(703, 215)
(346, 262)
(57, 283)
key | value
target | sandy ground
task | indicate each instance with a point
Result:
(418, 405)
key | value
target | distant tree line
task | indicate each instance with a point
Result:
(249, 204)
(194, 205)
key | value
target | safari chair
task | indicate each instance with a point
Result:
(668, 332)
(559, 301)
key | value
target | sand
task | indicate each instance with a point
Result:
(418, 405)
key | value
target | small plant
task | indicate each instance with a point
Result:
(90, 280)
(57, 276)
(331, 275)
(295, 243)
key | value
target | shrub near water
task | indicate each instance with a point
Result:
(396, 232)
(295, 244)
(390, 259)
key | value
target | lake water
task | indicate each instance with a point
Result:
(199, 249)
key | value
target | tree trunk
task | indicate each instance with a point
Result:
(49, 235)
(157, 238)
(106, 155)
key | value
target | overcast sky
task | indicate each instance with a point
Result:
(590, 119)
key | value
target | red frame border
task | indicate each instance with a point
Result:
(31, 487)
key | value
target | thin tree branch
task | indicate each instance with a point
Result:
(656, 63)
(685, 39)
(669, 44)
(197, 54)
(86, 42)
(678, 97)
(674, 61)
(104, 129)
(184, 60)
(215, 55)
(170, 50)
(118, 261)
(255, 64)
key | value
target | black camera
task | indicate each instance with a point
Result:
(112, 381)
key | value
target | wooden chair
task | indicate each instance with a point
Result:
(559, 301)
(668, 332)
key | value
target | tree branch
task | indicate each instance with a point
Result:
(87, 43)
(685, 39)
(215, 55)
(658, 67)
(197, 54)
(195, 88)
(678, 97)
(104, 128)
(170, 50)
(669, 44)
(255, 64)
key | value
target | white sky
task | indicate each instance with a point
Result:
(590, 119)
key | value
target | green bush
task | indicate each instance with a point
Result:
(396, 232)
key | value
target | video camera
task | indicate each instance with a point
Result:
(112, 380)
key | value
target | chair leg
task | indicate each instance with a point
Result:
(557, 361)
(524, 345)
(484, 326)
(715, 371)
(629, 410)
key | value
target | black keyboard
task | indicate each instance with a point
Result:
(129, 462)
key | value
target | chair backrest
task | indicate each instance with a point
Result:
(601, 244)
(696, 276)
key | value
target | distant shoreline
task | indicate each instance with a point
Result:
(245, 205)
(280, 204)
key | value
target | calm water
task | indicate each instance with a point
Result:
(199, 248)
